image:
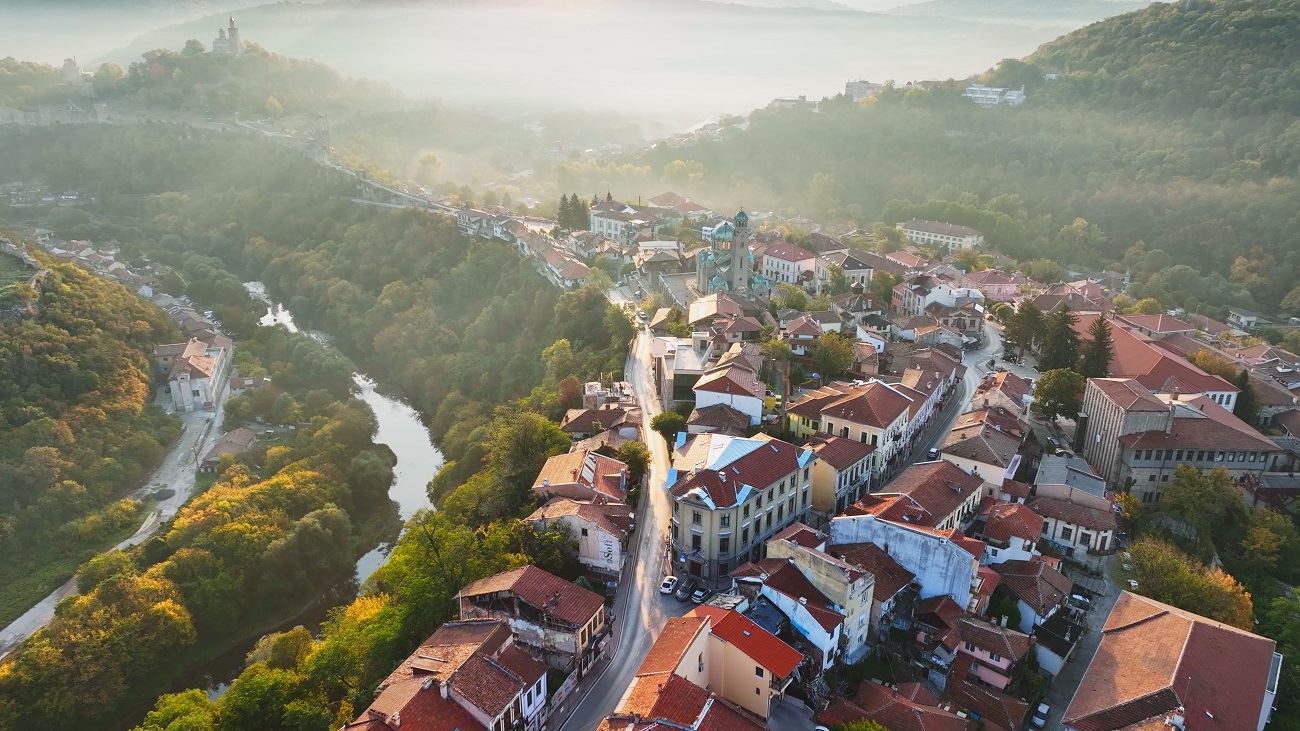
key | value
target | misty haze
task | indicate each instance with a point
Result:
(649, 365)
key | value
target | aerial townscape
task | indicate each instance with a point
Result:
(455, 387)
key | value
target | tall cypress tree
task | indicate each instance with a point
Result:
(564, 216)
(1247, 406)
(581, 213)
(1060, 341)
(1098, 350)
(1025, 327)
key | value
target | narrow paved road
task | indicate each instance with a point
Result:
(177, 473)
(640, 608)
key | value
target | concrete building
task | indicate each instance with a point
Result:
(600, 528)
(732, 384)
(844, 471)
(942, 566)
(789, 264)
(950, 235)
(730, 495)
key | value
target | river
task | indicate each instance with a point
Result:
(418, 460)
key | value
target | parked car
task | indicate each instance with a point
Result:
(668, 585)
(1056, 443)
(1040, 716)
(687, 588)
(701, 595)
(933, 453)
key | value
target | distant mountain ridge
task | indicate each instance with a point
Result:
(1066, 13)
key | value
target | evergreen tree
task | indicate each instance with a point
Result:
(1247, 407)
(1098, 350)
(581, 213)
(564, 215)
(1025, 327)
(1060, 341)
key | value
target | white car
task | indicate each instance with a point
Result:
(669, 585)
(1040, 716)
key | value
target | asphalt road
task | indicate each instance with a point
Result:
(177, 473)
(641, 610)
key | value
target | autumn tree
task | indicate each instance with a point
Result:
(1058, 394)
(832, 354)
(1168, 575)
(636, 456)
(1207, 501)
(1097, 350)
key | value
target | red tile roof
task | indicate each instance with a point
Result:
(839, 452)
(563, 600)
(1015, 489)
(992, 638)
(1154, 658)
(487, 684)
(733, 378)
(998, 711)
(418, 709)
(763, 647)
(786, 251)
(757, 468)
(1012, 386)
(1012, 520)
(1128, 394)
(890, 575)
(671, 646)
(586, 469)
(1136, 356)
(1080, 515)
(524, 666)
(666, 696)
(942, 613)
(1199, 423)
(802, 535)
(872, 404)
(1035, 583)
(1157, 323)
(940, 487)
(894, 710)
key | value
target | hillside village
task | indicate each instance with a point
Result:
(910, 514)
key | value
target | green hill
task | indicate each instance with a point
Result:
(1169, 146)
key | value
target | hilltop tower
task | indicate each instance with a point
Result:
(236, 46)
(742, 262)
(228, 41)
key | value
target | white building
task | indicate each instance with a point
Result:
(731, 384)
(600, 529)
(943, 567)
(994, 96)
(784, 262)
(951, 235)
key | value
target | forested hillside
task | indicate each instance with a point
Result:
(76, 427)
(1173, 134)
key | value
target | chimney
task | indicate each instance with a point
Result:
(1003, 623)
(1169, 423)
(803, 601)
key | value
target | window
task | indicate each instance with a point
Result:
(780, 512)
(1252, 457)
(769, 494)
(781, 490)
(695, 517)
(1164, 478)
(676, 532)
(1178, 456)
(993, 552)
(724, 544)
(1047, 528)
(725, 521)
(759, 502)
(995, 657)
(1085, 538)
(701, 662)
(1148, 457)
(1232, 456)
(805, 472)
(1066, 532)
(769, 521)
(1241, 456)
(758, 671)
(830, 427)
(874, 440)
(805, 498)
(695, 541)
(724, 568)
(1151, 478)
(744, 536)
(675, 508)
(1200, 456)
(584, 532)
(970, 647)
(744, 512)
(844, 432)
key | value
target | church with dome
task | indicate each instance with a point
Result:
(227, 41)
(727, 265)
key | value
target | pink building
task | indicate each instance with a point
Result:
(997, 652)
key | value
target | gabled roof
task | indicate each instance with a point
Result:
(671, 645)
(1035, 583)
(993, 706)
(562, 600)
(838, 452)
(942, 613)
(487, 684)
(1154, 658)
(1136, 356)
(940, 487)
(787, 579)
(1080, 515)
(942, 228)
(734, 378)
(720, 417)
(872, 404)
(666, 697)
(1128, 394)
(613, 518)
(1156, 323)
(761, 646)
(585, 420)
(1012, 520)
(587, 469)
(891, 577)
(804, 326)
(994, 639)
(722, 470)
(786, 251)
(718, 303)
(910, 707)
(1007, 383)
(802, 535)
(1199, 423)
(982, 442)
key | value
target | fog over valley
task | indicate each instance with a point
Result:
(671, 62)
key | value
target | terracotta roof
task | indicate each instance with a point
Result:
(1136, 356)
(667, 697)
(1012, 520)
(585, 420)
(896, 711)
(802, 535)
(994, 416)
(790, 581)
(720, 417)
(874, 404)
(1156, 323)
(236, 441)
(1290, 421)
(419, 710)
(1128, 394)
(839, 452)
(942, 613)
(613, 518)
(940, 487)
(732, 467)
(786, 251)
(993, 706)
(804, 326)
(1012, 386)
(587, 469)
(761, 646)
(718, 303)
(563, 600)
(890, 575)
(1154, 658)
(993, 277)
(982, 442)
(524, 666)
(447, 649)
(671, 645)
(995, 639)
(1080, 515)
(733, 378)
(1199, 423)
(1035, 583)
(1015, 489)
(487, 684)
